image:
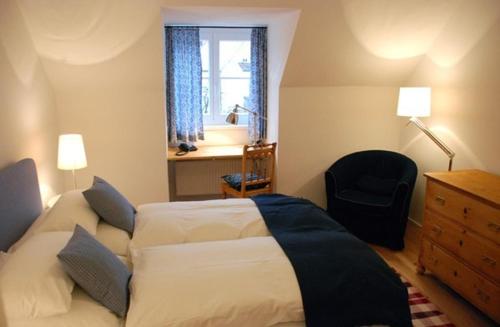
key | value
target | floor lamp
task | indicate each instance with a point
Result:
(416, 102)
(233, 116)
(71, 154)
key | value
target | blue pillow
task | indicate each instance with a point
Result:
(97, 271)
(234, 181)
(376, 185)
(110, 205)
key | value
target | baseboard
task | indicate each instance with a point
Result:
(415, 222)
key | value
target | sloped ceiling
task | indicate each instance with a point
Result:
(337, 42)
(83, 32)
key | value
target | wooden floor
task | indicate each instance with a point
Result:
(458, 310)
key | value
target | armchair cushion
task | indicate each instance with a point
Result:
(234, 180)
(365, 198)
(376, 185)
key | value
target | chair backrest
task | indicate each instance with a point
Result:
(258, 166)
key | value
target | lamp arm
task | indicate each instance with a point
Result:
(434, 138)
(236, 107)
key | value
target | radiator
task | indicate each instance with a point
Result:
(203, 177)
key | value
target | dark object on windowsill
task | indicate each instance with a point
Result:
(369, 192)
(184, 148)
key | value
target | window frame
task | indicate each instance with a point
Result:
(214, 36)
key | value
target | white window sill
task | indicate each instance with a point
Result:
(223, 127)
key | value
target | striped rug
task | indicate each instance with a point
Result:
(423, 312)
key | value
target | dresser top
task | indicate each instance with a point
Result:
(474, 181)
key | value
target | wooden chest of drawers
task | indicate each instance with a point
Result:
(461, 235)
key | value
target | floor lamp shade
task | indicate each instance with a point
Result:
(71, 153)
(414, 102)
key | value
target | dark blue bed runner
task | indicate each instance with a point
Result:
(343, 282)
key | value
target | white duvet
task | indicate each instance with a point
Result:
(243, 282)
(197, 221)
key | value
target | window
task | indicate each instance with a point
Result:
(225, 57)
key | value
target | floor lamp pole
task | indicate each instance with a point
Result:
(436, 140)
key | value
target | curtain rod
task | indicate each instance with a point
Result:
(229, 27)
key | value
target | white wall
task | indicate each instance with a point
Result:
(28, 117)
(465, 100)
(318, 125)
(346, 62)
(118, 107)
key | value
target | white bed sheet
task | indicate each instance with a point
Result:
(84, 312)
(245, 282)
(196, 221)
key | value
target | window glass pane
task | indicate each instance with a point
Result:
(205, 58)
(205, 96)
(234, 59)
(233, 91)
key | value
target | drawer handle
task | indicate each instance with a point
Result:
(461, 243)
(466, 211)
(488, 260)
(494, 227)
(483, 296)
(440, 200)
(437, 230)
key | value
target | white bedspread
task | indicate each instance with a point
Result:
(197, 221)
(245, 282)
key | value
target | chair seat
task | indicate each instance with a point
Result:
(234, 180)
(364, 198)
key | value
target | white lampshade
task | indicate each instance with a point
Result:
(414, 101)
(71, 152)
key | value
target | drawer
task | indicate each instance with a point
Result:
(478, 290)
(468, 211)
(479, 252)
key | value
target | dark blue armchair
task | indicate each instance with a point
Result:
(369, 192)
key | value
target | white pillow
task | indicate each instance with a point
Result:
(71, 209)
(115, 239)
(32, 282)
(31, 230)
(85, 312)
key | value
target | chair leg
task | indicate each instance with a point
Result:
(224, 194)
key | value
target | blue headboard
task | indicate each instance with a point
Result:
(20, 201)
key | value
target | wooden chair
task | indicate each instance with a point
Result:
(257, 172)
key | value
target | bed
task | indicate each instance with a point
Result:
(219, 263)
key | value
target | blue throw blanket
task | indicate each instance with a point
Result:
(343, 282)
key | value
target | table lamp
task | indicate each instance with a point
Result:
(71, 154)
(232, 118)
(416, 102)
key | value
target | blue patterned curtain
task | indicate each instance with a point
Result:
(258, 80)
(184, 110)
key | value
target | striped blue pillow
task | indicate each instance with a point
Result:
(97, 271)
(111, 205)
